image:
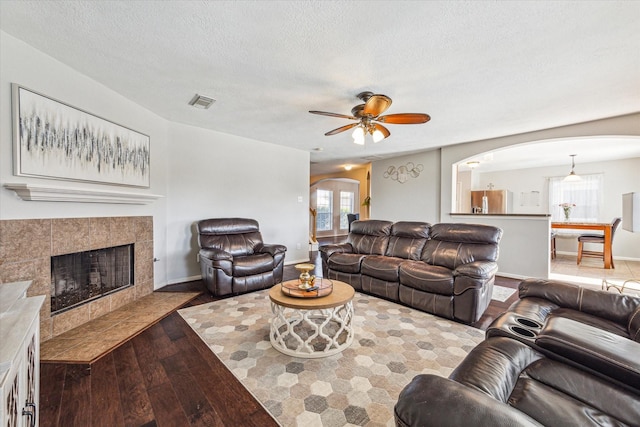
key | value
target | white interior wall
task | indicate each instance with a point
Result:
(199, 174)
(213, 175)
(417, 199)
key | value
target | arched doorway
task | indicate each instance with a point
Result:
(333, 199)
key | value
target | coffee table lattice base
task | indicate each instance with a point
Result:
(311, 333)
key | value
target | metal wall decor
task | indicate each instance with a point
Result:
(403, 173)
(57, 141)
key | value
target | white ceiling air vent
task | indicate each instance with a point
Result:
(200, 101)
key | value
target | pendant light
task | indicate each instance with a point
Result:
(572, 175)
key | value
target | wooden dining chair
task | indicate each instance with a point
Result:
(599, 239)
(553, 244)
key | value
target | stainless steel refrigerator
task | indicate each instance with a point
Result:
(498, 201)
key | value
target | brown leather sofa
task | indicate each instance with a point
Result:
(562, 355)
(443, 269)
(234, 259)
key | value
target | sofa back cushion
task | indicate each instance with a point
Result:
(452, 245)
(238, 236)
(407, 239)
(369, 237)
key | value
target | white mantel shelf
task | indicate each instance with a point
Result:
(50, 193)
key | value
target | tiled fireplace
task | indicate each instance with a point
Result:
(27, 247)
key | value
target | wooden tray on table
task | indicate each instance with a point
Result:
(292, 288)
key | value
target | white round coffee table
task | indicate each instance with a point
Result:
(312, 327)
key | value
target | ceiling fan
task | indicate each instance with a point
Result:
(367, 116)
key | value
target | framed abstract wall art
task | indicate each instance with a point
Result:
(57, 141)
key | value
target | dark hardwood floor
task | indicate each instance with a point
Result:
(165, 376)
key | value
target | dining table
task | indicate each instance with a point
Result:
(605, 227)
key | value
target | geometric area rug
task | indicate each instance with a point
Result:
(359, 386)
(500, 293)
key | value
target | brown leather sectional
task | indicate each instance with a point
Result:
(444, 269)
(562, 355)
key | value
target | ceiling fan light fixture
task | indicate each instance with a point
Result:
(358, 135)
(377, 136)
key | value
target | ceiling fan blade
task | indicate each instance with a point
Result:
(382, 129)
(342, 116)
(404, 118)
(341, 129)
(376, 105)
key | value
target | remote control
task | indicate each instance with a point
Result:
(313, 288)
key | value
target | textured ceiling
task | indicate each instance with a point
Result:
(480, 69)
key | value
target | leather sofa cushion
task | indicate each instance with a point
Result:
(452, 245)
(252, 264)
(237, 236)
(369, 237)
(407, 239)
(345, 263)
(427, 278)
(381, 267)
(590, 320)
(466, 233)
(602, 351)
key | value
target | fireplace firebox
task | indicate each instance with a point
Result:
(81, 277)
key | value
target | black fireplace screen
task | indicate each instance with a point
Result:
(84, 276)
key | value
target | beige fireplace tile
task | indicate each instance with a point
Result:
(79, 352)
(116, 316)
(99, 307)
(46, 329)
(41, 278)
(99, 232)
(45, 310)
(70, 319)
(17, 271)
(144, 228)
(120, 298)
(69, 235)
(24, 239)
(144, 288)
(123, 230)
(27, 245)
(143, 272)
(52, 348)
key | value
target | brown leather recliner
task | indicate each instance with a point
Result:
(234, 259)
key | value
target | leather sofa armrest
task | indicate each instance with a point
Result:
(597, 349)
(216, 254)
(477, 269)
(437, 401)
(271, 249)
(327, 250)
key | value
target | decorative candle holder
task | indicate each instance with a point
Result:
(306, 280)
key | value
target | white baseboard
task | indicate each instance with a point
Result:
(513, 276)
